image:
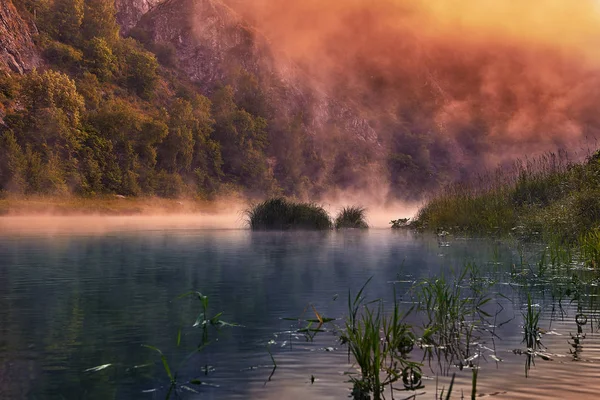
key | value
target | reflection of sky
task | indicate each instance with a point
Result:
(69, 303)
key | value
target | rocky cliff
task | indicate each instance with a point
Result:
(129, 12)
(17, 50)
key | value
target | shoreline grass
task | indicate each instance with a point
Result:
(546, 197)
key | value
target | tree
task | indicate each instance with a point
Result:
(243, 139)
(131, 137)
(177, 150)
(67, 17)
(51, 113)
(141, 72)
(99, 20)
(12, 164)
(100, 59)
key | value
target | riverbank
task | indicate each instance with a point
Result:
(111, 206)
(545, 198)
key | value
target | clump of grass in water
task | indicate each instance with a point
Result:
(351, 217)
(531, 333)
(454, 316)
(282, 214)
(379, 344)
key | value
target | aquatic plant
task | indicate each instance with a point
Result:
(351, 217)
(282, 214)
(454, 316)
(399, 223)
(589, 246)
(310, 327)
(379, 344)
(531, 333)
(204, 322)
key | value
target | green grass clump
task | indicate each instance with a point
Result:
(282, 214)
(351, 217)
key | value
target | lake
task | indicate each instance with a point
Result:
(78, 306)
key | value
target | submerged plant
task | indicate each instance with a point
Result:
(203, 321)
(282, 214)
(311, 326)
(351, 217)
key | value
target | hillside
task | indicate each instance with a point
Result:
(183, 107)
(191, 98)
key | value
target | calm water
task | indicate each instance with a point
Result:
(71, 302)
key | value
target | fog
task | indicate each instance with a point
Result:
(456, 84)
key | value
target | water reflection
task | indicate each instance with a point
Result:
(71, 303)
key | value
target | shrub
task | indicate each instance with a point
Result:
(142, 75)
(62, 55)
(170, 185)
(351, 217)
(282, 214)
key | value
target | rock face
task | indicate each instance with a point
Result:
(17, 50)
(129, 12)
(212, 41)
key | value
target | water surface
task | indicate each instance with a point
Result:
(73, 301)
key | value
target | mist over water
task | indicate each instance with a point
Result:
(232, 218)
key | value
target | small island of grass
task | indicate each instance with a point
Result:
(282, 214)
(351, 217)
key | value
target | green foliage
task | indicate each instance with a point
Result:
(9, 86)
(99, 20)
(62, 55)
(44, 175)
(66, 20)
(100, 59)
(165, 54)
(94, 121)
(243, 139)
(531, 332)
(170, 185)
(12, 164)
(141, 72)
(177, 150)
(132, 140)
(351, 217)
(379, 342)
(51, 89)
(547, 196)
(249, 95)
(90, 89)
(464, 211)
(282, 214)
(454, 314)
(50, 117)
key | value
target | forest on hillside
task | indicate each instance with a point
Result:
(106, 114)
